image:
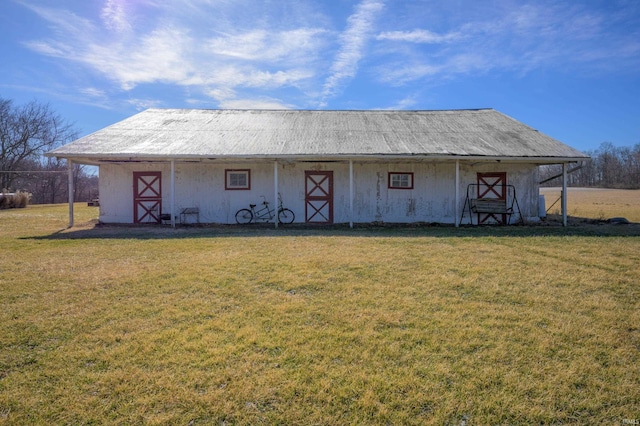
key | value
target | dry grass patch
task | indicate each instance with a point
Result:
(17, 200)
(597, 203)
(374, 326)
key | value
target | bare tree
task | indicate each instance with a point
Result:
(85, 185)
(48, 181)
(53, 185)
(609, 167)
(26, 132)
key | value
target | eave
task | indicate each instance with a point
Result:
(97, 159)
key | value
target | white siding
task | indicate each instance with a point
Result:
(202, 185)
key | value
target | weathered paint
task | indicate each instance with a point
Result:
(182, 134)
(433, 198)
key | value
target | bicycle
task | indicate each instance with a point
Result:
(264, 213)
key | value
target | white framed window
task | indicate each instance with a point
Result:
(237, 179)
(400, 180)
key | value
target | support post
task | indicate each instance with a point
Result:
(275, 190)
(71, 191)
(457, 195)
(564, 194)
(350, 193)
(173, 193)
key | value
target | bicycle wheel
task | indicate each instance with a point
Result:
(286, 216)
(244, 216)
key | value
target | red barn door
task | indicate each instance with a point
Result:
(492, 185)
(318, 197)
(147, 197)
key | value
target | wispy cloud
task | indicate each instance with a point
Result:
(399, 73)
(170, 51)
(352, 43)
(418, 36)
(255, 104)
(93, 92)
(263, 45)
(405, 103)
(141, 104)
(521, 39)
(114, 16)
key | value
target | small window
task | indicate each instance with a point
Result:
(401, 180)
(237, 179)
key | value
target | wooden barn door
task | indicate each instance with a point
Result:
(147, 197)
(492, 185)
(318, 199)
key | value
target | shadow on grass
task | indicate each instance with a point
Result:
(550, 227)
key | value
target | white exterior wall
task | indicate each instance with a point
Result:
(430, 200)
(202, 185)
(115, 188)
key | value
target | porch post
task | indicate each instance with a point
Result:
(173, 193)
(275, 186)
(71, 191)
(457, 194)
(350, 193)
(564, 194)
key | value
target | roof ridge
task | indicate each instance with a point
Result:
(319, 110)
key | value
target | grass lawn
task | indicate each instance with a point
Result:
(232, 325)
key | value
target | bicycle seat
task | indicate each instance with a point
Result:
(252, 205)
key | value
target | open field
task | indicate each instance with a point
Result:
(230, 325)
(596, 203)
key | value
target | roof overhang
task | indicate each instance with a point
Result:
(96, 160)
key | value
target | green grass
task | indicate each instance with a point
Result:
(229, 325)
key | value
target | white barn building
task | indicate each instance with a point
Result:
(203, 166)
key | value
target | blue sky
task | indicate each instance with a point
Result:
(570, 69)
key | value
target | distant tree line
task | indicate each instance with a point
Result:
(26, 133)
(609, 167)
(48, 181)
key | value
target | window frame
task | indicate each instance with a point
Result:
(393, 174)
(227, 180)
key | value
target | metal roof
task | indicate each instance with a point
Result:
(305, 134)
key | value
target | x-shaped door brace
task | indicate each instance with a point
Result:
(148, 186)
(491, 187)
(317, 211)
(149, 211)
(317, 185)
